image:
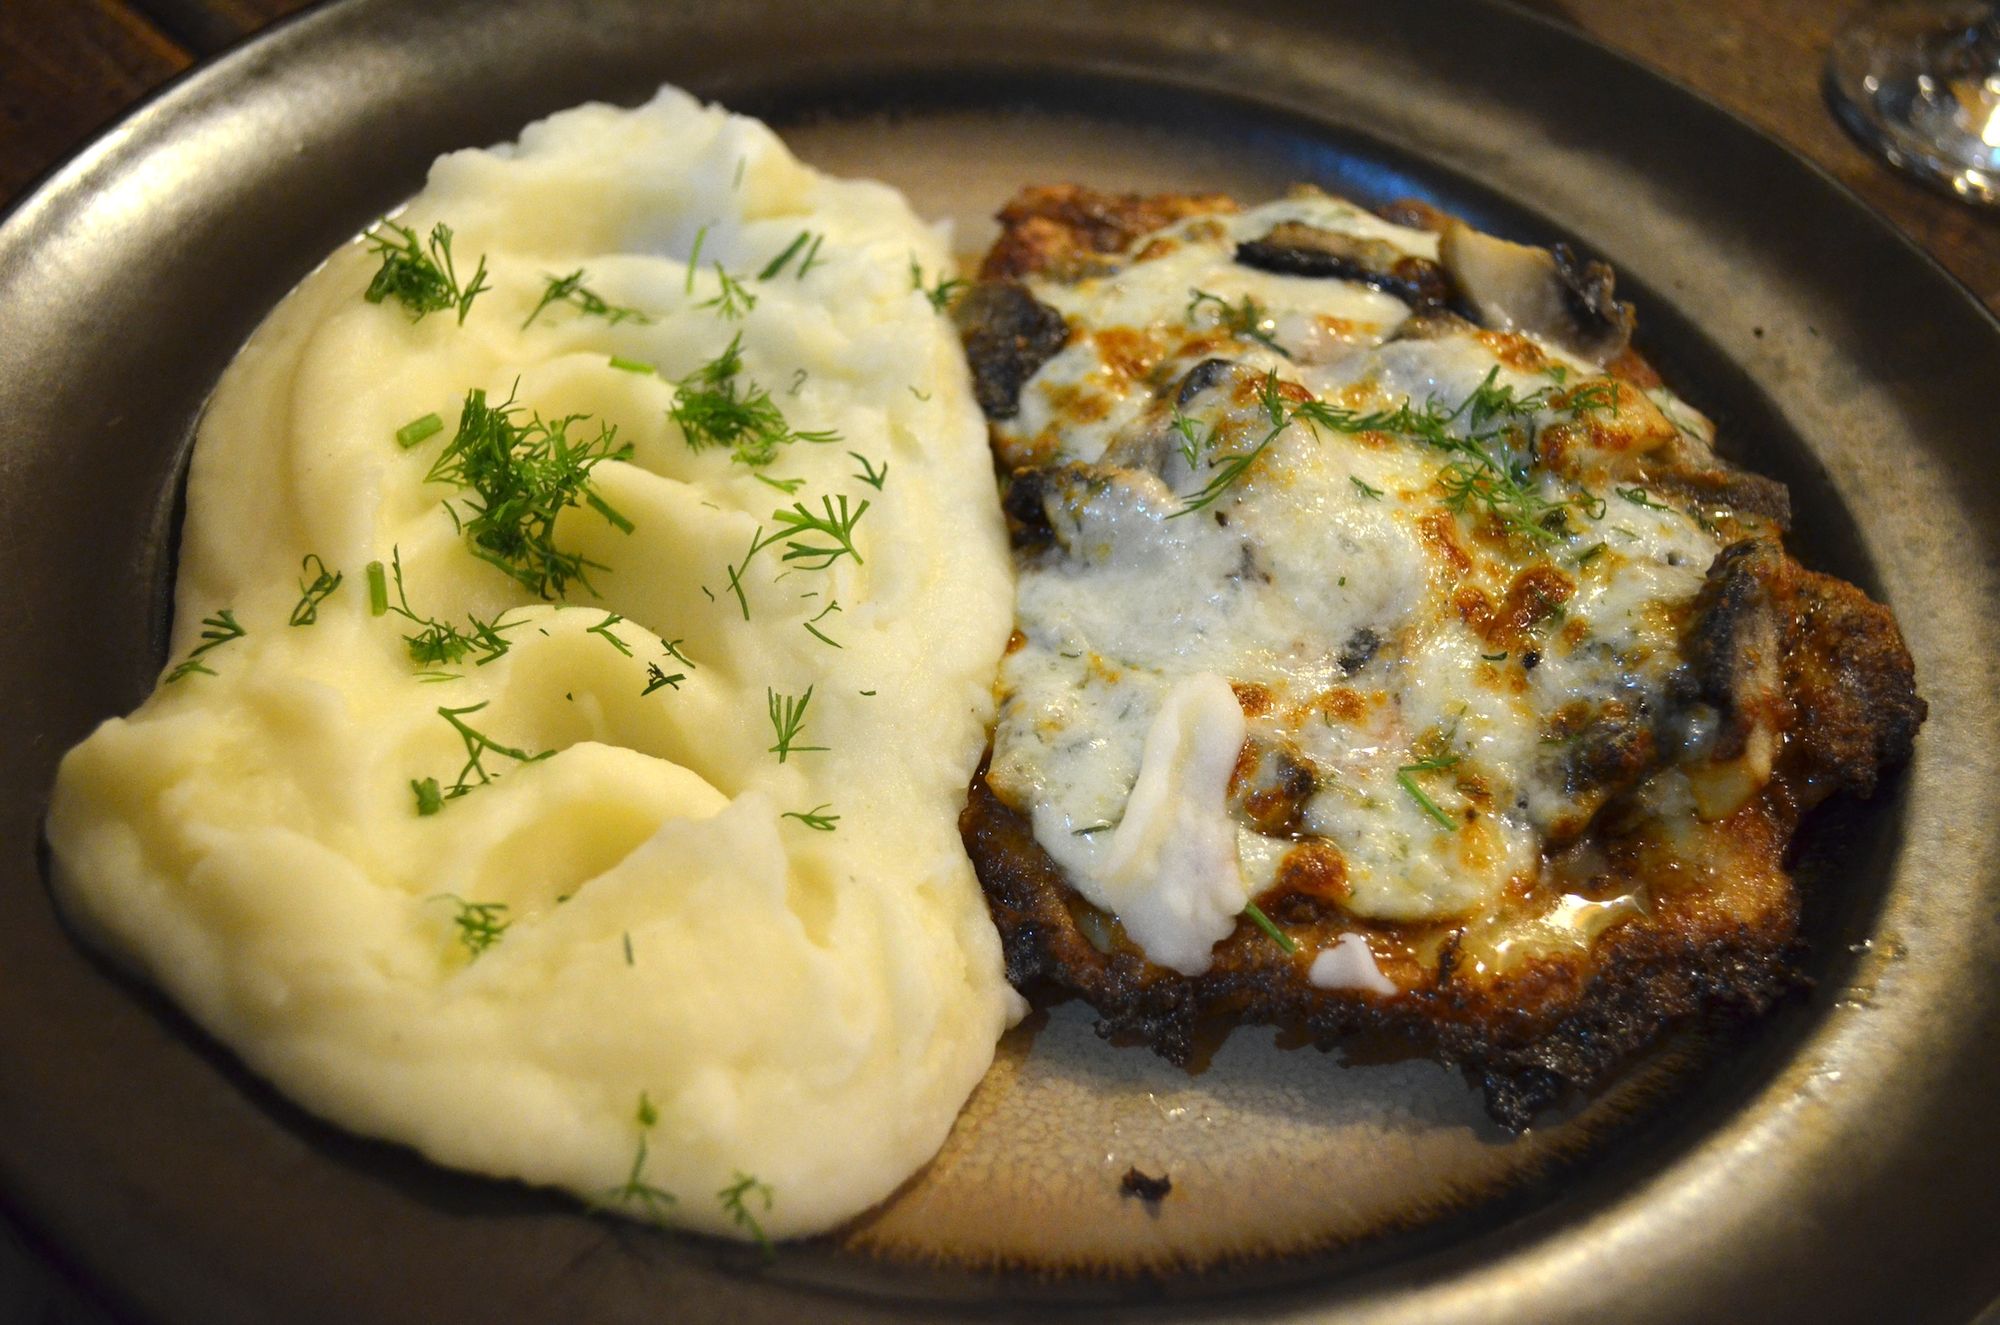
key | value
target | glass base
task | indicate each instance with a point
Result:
(1919, 82)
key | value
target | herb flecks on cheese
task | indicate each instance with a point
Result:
(1391, 538)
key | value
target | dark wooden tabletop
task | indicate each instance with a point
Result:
(69, 67)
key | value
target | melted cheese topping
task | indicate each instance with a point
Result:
(675, 930)
(1436, 683)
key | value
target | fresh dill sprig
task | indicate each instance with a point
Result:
(815, 818)
(869, 474)
(788, 486)
(736, 571)
(658, 678)
(940, 294)
(1367, 491)
(1640, 497)
(796, 524)
(604, 628)
(713, 409)
(812, 626)
(1247, 320)
(480, 924)
(1192, 443)
(735, 1206)
(733, 299)
(1263, 922)
(653, 1201)
(422, 282)
(523, 475)
(788, 720)
(437, 642)
(314, 591)
(217, 631)
(1492, 448)
(1405, 777)
(806, 240)
(570, 289)
(477, 746)
(794, 528)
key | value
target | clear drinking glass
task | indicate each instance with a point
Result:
(1919, 82)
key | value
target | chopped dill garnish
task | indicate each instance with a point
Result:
(523, 475)
(480, 924)
(635, 1190)
(1263, 922)
(1491, 421)
(694, 260)
(1589, 554)
(870, 475)
(438, 642)
(814, 818)
(788, 486)
(794, 529)
(1640, 497)
(941, 294)
(217, 631)
(1405, 777)
(629, 960)
(1247, 320)
(733, 299)
(658, 678)
(812, 626)
(1192, 444)
(422, 282)
(713, 409)
(1089, 830)
(477, 746)
(1367, 492)
(788, 719)
(794, 525)
(417, 430)
(604, 628)
(570, 289)
(314, 591)
(734, 1205)
(777, 264)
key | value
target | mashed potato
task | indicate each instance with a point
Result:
(658, 944)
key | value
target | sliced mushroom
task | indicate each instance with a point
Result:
(1293, 248)
(1008, 334)
(1545, 292)
(1733, 704)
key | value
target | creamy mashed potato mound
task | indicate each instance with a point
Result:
(690, 982)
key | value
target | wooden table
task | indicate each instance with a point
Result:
(69, 67)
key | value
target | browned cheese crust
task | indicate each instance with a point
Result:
(1768, 644)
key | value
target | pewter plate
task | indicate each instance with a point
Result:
(1834, 1162)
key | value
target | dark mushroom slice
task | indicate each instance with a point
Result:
(1732, 695)
(1293, 248)
(1008, 334)
(1544, 292)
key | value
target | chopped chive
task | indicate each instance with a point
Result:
(416, 430)
(603, 508)
(378, 590)
(624, 365)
